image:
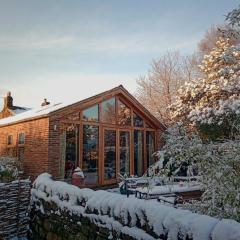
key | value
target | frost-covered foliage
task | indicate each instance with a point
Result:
(140, 219)
(220, 176)
(9, 169)
(180, 154)
(212, 103)
(217, 165)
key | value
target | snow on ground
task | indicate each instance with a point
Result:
(111, 206)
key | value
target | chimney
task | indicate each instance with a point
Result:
(45, 102)
(8, 101)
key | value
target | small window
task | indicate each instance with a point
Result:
(108, 111)
(10, 140)
(124, 114)
(91, 114)
(138, 121)
(21, 138)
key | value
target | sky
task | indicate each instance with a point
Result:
(66, 50)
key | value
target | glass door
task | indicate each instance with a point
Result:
(124, 152)
(110, 159)
(138, 152)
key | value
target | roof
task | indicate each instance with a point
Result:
(44, 111)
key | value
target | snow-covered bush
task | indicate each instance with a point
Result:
(220, 176)
(9, 169)
(180, 154)
(212, 103)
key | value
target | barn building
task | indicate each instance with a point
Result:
(104, 135)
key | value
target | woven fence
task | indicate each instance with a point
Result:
(14, 209)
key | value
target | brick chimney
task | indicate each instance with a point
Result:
(45, 102)
(8, 101)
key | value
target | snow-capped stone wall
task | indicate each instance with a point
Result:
(64, 211)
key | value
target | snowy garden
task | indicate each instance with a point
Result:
(191, 192)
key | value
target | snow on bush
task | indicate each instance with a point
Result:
(217, 165)
(180, 154)
(212, 103)
(9, 169)
(131, 216)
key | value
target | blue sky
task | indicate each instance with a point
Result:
(66, 50)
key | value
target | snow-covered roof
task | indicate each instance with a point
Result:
(32, 113)
(46, 110)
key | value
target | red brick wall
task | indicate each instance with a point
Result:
(35, 148)
(54, 148)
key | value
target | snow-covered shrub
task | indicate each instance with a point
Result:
(220, 176)
(212, 103)
(9, 169)
(180, 154)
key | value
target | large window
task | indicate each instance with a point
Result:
(109, 154)
(72, 149)
(91, 114)
(150, 139)
(124, 114)
(90, 154)
(108, 111)
(138, 152)
(137, 120)
(124, 152)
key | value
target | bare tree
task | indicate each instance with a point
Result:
(157, 90)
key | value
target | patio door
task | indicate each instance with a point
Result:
(110, 155)
(124, 152)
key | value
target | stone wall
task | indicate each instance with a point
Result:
(14, 206)
(63, 211)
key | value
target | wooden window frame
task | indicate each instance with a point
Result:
(21, 144)
(117, 128)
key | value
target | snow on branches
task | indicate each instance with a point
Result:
(213, 100)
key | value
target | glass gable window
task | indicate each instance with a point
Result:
(108, 111)
(21, 138)
(124, 152)
(150, 139)
(124, 114)
(91, 114)
(109, 154)
(137, 121)
(74, 116)
(90, 154)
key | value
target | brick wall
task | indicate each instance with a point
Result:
(35, 156)
(54, 148)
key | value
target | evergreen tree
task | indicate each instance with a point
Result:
(212, 104)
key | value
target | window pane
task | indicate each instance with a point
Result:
(21, 138)
(72, 149)
(124, 114)
(10, 140)
(147, 125)
(137, 121)
(109, 154)
(150, 139)
(91, 114)
(124, 152)
(74, 116)
(138, 153)
(90, 154)
(108, 111)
